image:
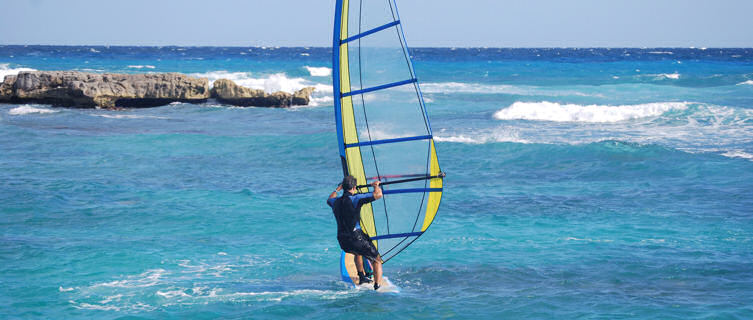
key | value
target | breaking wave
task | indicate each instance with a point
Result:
(552, 111)
(673, 76)
(273, 83)
(6, 70)
(28, 109)
(460, 87)
(319, 71)
(270, 83)
(686, 126)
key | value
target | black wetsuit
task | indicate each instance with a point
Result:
(347, 210)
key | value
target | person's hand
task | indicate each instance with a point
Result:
(376, 183)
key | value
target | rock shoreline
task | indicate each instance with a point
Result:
(111, 90)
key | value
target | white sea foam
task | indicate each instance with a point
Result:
(109, 299)
(319, 71)
(89, 306)
(501, 134)
(90, 70)
(135, 307)
(28, 109)
(587, 239)
(673, 76)
(142, 67)
(460, 87)
(61, 289)
(6, 70)
(322, 94)
(738, 154)
(269, 83)
(172, 294)
(279, 295)
(319, 99)
(661, 52)
(749, 83)
(127, 116)
(552, 111)
(146, 279)
(382, 132)
(686, 126)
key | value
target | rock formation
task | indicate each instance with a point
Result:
(108, 90)
(226, 91)
(6, 88)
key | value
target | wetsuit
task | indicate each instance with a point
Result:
(347, 210)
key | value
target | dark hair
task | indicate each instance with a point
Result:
(349, 182)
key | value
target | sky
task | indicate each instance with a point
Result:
(437, 23)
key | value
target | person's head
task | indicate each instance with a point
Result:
(349, 183)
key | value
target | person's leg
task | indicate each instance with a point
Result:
(377, 266)
(359, 263)
(362, 278)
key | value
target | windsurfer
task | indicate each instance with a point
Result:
(352, 239)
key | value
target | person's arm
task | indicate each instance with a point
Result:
(333, 195)
(377, 190)
(364, 198)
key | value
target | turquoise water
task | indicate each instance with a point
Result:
(596, 184)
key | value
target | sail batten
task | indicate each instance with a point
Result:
(394, 140)
(416, 190)
(380, 87)
(368, 32)
(397, 235)
(382, 127)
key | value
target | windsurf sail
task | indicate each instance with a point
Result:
(383, 130)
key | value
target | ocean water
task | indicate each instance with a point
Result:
(582, 183)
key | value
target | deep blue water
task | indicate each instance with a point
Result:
(582, 183)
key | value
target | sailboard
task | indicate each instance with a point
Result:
(383, 130)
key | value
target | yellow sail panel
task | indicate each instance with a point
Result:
(434, 197)
(344, 67)
(350, 133)
(344, 21)
(355, 168)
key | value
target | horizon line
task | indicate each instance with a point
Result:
(329, 47)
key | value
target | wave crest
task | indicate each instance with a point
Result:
(521, 90)
(552, 111)
(273, 83)
(319, 71)
(6, 70)
(27, 109)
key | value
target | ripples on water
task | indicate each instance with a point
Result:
(581, 184)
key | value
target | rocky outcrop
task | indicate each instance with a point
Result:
(226, 91)
(6, 88)
(108, 90)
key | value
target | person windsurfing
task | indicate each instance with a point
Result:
(347, 211)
